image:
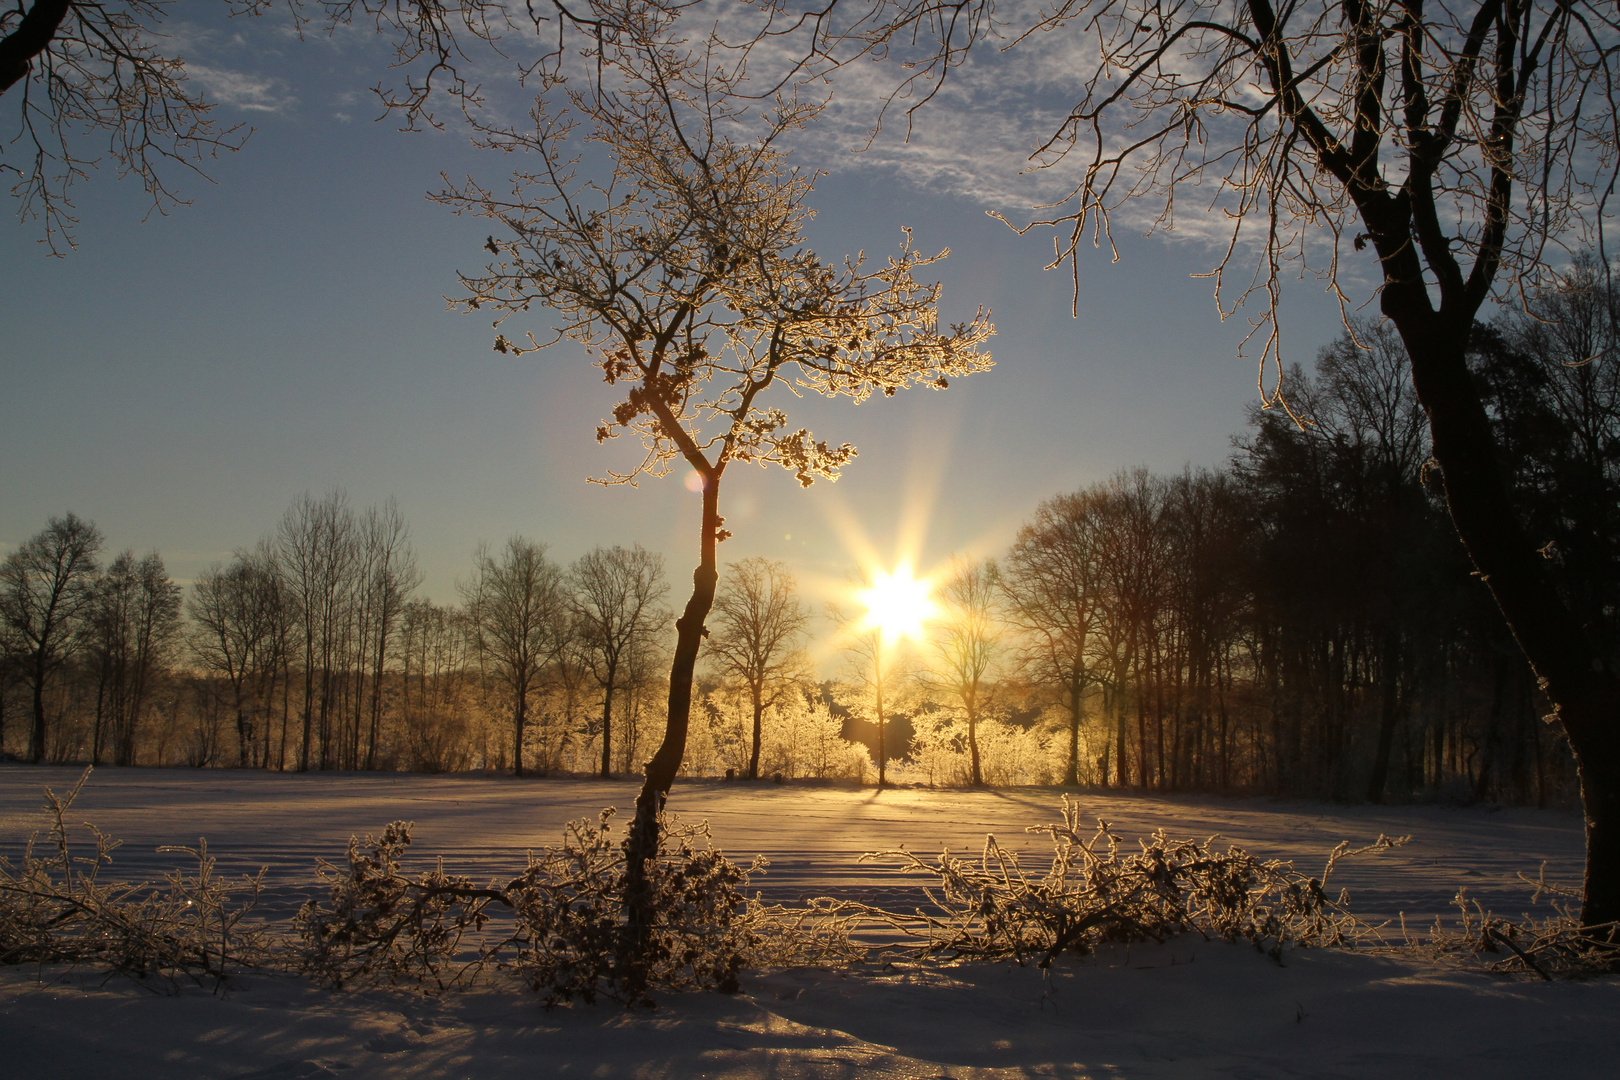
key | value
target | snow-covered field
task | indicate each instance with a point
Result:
(1185, 1009)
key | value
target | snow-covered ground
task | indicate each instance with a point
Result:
(1185, 1009)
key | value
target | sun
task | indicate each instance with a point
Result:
(897, 604)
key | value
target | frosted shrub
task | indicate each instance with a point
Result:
(799, 738)
(558, 926)
(1095, 892)
(939, 754)
(379, 924)
(702, 757)
(55, 907)
(571, 931)
(1010, 754)
(1551, 945)
(818, 746)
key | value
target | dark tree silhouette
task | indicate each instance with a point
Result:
(46, 587)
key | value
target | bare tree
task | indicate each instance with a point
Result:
(46, 586)
(388, 576)
(967, 641)
(1055, 588)
(518, 606)
(133, 625)
(681, 266)
(316, 553)
(236, 612)
(757, 637)
(616, 597)
(435, 649)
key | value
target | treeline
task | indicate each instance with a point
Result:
(1299, 621)
(1304, 620)
(310, 652)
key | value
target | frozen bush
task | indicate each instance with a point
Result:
(1095, 891)
(55, 907)
(559, 926)
(1551, 945)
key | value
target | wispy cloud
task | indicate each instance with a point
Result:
(240, 89)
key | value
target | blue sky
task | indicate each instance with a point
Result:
(180, 379)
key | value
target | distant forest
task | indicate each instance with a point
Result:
(1301, 621)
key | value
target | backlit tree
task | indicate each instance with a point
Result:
(670, 245)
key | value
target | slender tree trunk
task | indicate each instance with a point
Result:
(1388, 714)
(976, 774)
(758, 693)
(101, 701)
(244, 726)
(883, 749)
(1121, 737)
(642, 845)
(519, 717)
(36, 734)
(607, 721)
(309, 700)
(1071, 776)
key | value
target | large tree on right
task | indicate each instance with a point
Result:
(1451, 152)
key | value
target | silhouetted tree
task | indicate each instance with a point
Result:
(46, 588)
(388, 575)
(316, 551)
(132, 626)
(236, 612)
(1054, 584)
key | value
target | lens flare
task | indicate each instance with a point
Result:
(897, 604)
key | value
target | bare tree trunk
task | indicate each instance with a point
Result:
(607, 723)
(758, 693)
(977, 775)
(519, 719)
(1388, 714)
(1072, 773)
(642, 845)
(36, 734)
(1584, 692)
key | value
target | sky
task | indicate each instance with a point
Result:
(179, 379)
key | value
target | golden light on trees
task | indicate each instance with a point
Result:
(897, 603)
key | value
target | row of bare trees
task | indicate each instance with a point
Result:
(309, 651)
